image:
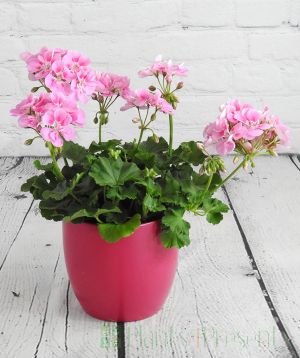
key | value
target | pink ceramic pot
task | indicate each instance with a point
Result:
(124, 281)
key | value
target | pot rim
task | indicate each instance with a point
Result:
(94, 224)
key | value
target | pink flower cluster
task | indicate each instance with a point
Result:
(242, 128)
(62, 71)
(165, 68)
(109, 84)
(143, 99)
(51, 115)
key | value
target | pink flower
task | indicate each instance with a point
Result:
(29, 111)
(57, 126)
(39, 65)
(165, 68)
(143, 99)
(225, 146)
(24, 107)
(57, 134)
(75, 61)
(108, 84)
(242, 128)
(83, 85)
(29, 122)
(68, 104)
(52, 115)
(58, 79)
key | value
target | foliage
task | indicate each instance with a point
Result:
(118, 193)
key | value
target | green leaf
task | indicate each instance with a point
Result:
(46, 167)
(59, 193)
(214, 209)
(62, 189)
(105, 146)
(74, 151)
(175, 231)
(114, 232)
(92, 214)
(79, 214)
(189, 152)
(122, 192)
(28, 184)
(152, 204)
(112, 172)
(171, 192)
(150, 145)
(37, 185)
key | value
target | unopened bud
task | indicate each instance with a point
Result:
(96, 120)
(34, 89)
(179, 85)
(100, 99)
(245, 166)
(202, 170)
(155, 138)
(136, 120)
(236, 159)
(94, 96)
(200, 145)
(152, 88)
(153, 117)
(273, 153)
(28, 141)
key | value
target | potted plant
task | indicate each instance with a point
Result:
(122, 204)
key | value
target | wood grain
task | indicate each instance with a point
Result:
(14, 205)
(267, 204)
(216, 308)
(39, 315)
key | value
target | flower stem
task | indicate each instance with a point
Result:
(57, 171)
(100, 131)
(232, 173)
(171, 133)
(140, 137)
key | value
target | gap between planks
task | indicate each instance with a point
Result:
(261, 282)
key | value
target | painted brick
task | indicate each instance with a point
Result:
(261, 13)
(257, 78)
(207, 13)
(7, 17)
(45, 17)
(277, 46)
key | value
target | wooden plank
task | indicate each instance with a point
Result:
(216, 307)
(267, 205)
(14, 205)
(35, 319)
(68, 330)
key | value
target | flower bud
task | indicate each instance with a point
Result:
(179, 85)
(155, 138)
(34, 89)
(153, 117)
(200, 145)
(136, 120)
(152, 88)
(96, 120)
(28, 141)
(272, 152)
(236, 159)
(100, 99)
(94, 96)
(245, 166)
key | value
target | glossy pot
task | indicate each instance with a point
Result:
(124, 281)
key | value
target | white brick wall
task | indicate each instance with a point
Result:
(248, 49)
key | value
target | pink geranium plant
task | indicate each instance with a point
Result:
(115, 185)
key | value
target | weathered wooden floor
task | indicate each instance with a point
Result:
(236, 293)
